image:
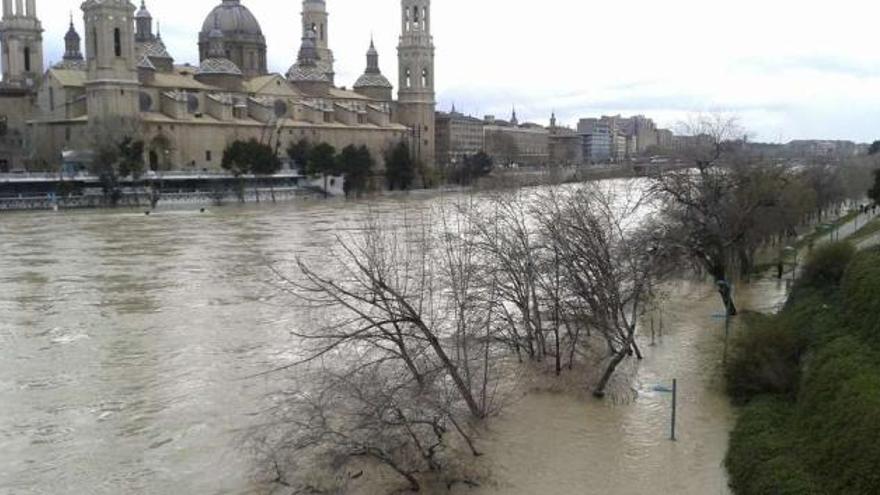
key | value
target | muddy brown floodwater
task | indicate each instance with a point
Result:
(554, 444)
(124, 339)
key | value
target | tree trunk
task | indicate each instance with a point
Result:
(599, 393)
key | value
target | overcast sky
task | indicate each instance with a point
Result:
(791, 69)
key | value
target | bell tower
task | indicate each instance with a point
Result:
(316, 19)
(112, 86)
(21, 35)
(416, 103)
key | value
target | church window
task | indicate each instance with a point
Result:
(322, 31)
(424, 19)
(408, 82)
(416, 14)
(117, 42)
(27, 59)
(425, 83)
(208, 156)
(95, 42)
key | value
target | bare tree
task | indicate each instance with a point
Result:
(610, 259)
(702, 203)
(409, 322)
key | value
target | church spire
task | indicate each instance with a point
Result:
(72, 50)
(373, 59)
(144, 24)
(513, 119)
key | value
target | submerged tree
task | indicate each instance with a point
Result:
(702, 202)
(357, 164)
(402, 353)
(118, 154)
(610, 258)
(400, 168)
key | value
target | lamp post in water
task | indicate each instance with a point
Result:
(674, 391)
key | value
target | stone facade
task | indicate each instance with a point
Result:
(457, 136)
(21, 36)
(187, 115)
(565, 145)
(511, 143)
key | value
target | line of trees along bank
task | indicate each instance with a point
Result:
(732, 206)
(401, 173)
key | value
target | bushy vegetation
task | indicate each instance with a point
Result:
(811, 379)
(766, 360)
(250, 157)
(861, 296)
(826, 266)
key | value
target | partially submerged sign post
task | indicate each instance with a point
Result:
(674, 392)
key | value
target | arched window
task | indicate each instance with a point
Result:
(425, 78)
(424, 19)
(27, 59)
(408, 82)
(416, 15)
(95, 42)
(407, 19)
(314, 28)
(322, 31)
(117, 42)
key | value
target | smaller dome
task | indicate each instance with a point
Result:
(142, 12)
(373, 81)
(155, 49)
(218, 66)
(307, 67)
(299, 73)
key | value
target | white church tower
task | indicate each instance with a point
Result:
(112, 86)
(416, 103)
(21, 36)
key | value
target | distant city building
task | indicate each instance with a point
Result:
(664, 138)
(565, 145)
(457, 136)
(597, 143)
(509, 143)
(630, 136)
(820, 148)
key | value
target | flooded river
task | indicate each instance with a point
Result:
(124, 340)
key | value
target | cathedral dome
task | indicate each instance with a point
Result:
(232, 18)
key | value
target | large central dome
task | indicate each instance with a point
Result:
(231, 17)
(243, 39)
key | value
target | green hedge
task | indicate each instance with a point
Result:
(811, 380)
(761, 458)
(839, 417)
(826, 266)
(861, 296)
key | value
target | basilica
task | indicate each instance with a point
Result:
(188, 113)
